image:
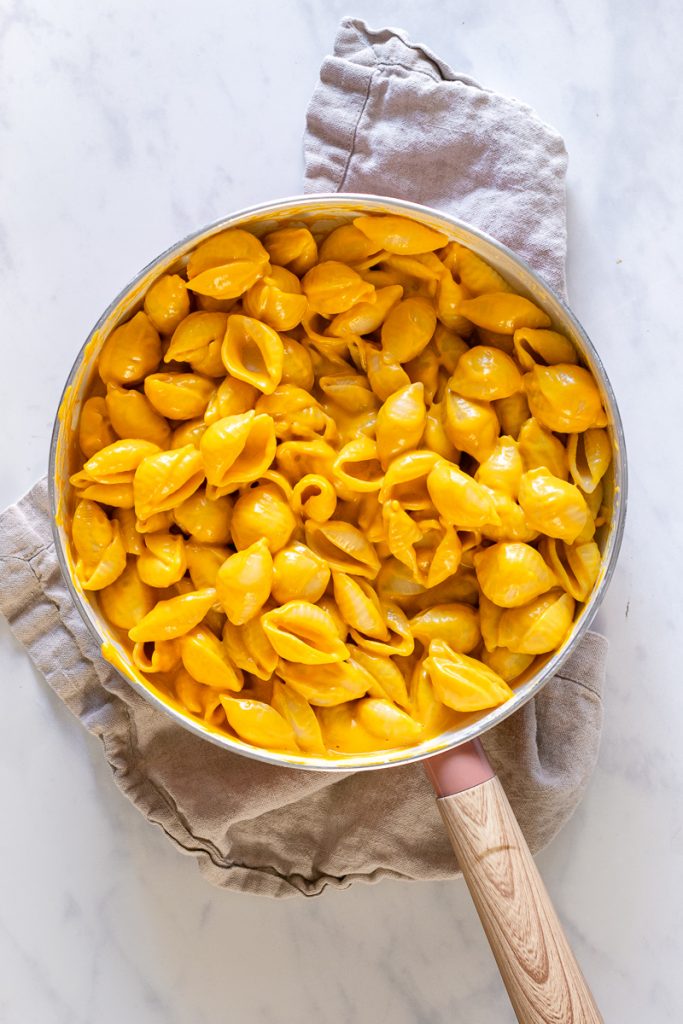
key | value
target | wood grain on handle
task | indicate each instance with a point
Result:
(543, 979)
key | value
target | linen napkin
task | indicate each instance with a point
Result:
(387, 117)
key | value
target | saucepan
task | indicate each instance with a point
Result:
(540, 972)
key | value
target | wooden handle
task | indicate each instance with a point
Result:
(543, 980)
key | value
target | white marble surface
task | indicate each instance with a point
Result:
(123, 125)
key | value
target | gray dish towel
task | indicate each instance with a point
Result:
(387, 117)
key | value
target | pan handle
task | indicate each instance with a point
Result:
(543, 980)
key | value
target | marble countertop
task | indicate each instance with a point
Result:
(122, 127)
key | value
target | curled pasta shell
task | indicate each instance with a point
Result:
(435, 436)
(258, 723)
(227, 281)
(127, 600)
(539, 626)
(299, 573)
(489, 622)
(164, 480)
(314, 497)
(577, 566)
(237, 450)
(511, 575)
(477, 276)
(243, 582)
(133, 415)
(163, 656)
(296, 414)
(513, 522)
(357, 467)
(365, 317)
(401, 533)
(542, 450)
(132, 541)
(503, 312)
(400, 640)
(463, 683)
(225, 247)
(179, 396)
(406, 478)
(486, 374)
(98, 542)
(262, 511)
(249, 648)
(359, 606)
(401, 422)
(344, 547)
(206, 521)
(459, 499)
(472, 426)
(131, 351)
(425, 706)
(117, 463)
(231, 398)
(167, 302)
(425, 369)
(348, 245)
(385, 373)
(294, 248)
(197, 340)
(343, 733)
(408, 328)
(304, 633)
(507, 664)
(456, 623)
(553, 506)
(95, 429)
(205, 658)
(564, 398)
(326, 686)
(115, 495)
(204, 561)
(332, 287)
(253, 352)
(399, 234)
(173, 618)
(388, 678)
(296, 710)
(544, 348)
(297, 366)
(512, 413)
(503, 469)
(384, 719)
(449, 298)
(589, 455)
(349, 391)
(163, 561)
(198, 699)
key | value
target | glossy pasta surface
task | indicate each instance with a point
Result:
(336, 493)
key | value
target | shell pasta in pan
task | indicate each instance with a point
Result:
(334, 492)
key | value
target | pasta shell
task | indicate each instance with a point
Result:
(304, 633)
(164, 480)
(477, 276)
(258, 723)
(396, 583)
(296, 459)
(348, 245)
(449, 298)
(344, 547)
(359, 606)
(154, 523)
(544, 348)
(95, 430)
(237, 450)
(425, 706)
(400, 640)
(249, 648)
(132, 415)
(115, 495)
(472, 426)
(225, 247)
(163, 561)
(328, 604)
(343, 733)
(542, 450)
(511, 575)
(577, 566)
(314, 497)
(503, 312)
(459, 499)
(131, 351)
(132, 541)
(385, 373)
(299, 573)
(539, 626)
(564, 398)
(243, 582)
(408, 329)
(508, 665)
(388, 679)
(450, 347)
(197, 340)
(262, 512)
(435, 436)
(102, 556)
(401, 533)
(296, 415)
(253, 352)
(349, 391)
(173, 618)
(513, 522)
(463, 683)
(207, 522)
(485, 374)
(205, 658)
(294, 248)
(204, 561)
(189, 432)
(445, 559)
(490, 615)
(502, 471)
(332, 287)
(127, 600)
(296, 710)
(275, 303)
(401, 422)
(365, 317)
(163, 656)
(357, 467)
(326, 686)
(589, 455)
(229, 280)
(167, 302)
(179, 396)
(117, 463)
(297, 366)
(425, 369)
(512, 413)
(382, 718)
(399, 234)
(457, 624)
(232, 397)
(553, 506)
(406, 478)
(198, 699)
